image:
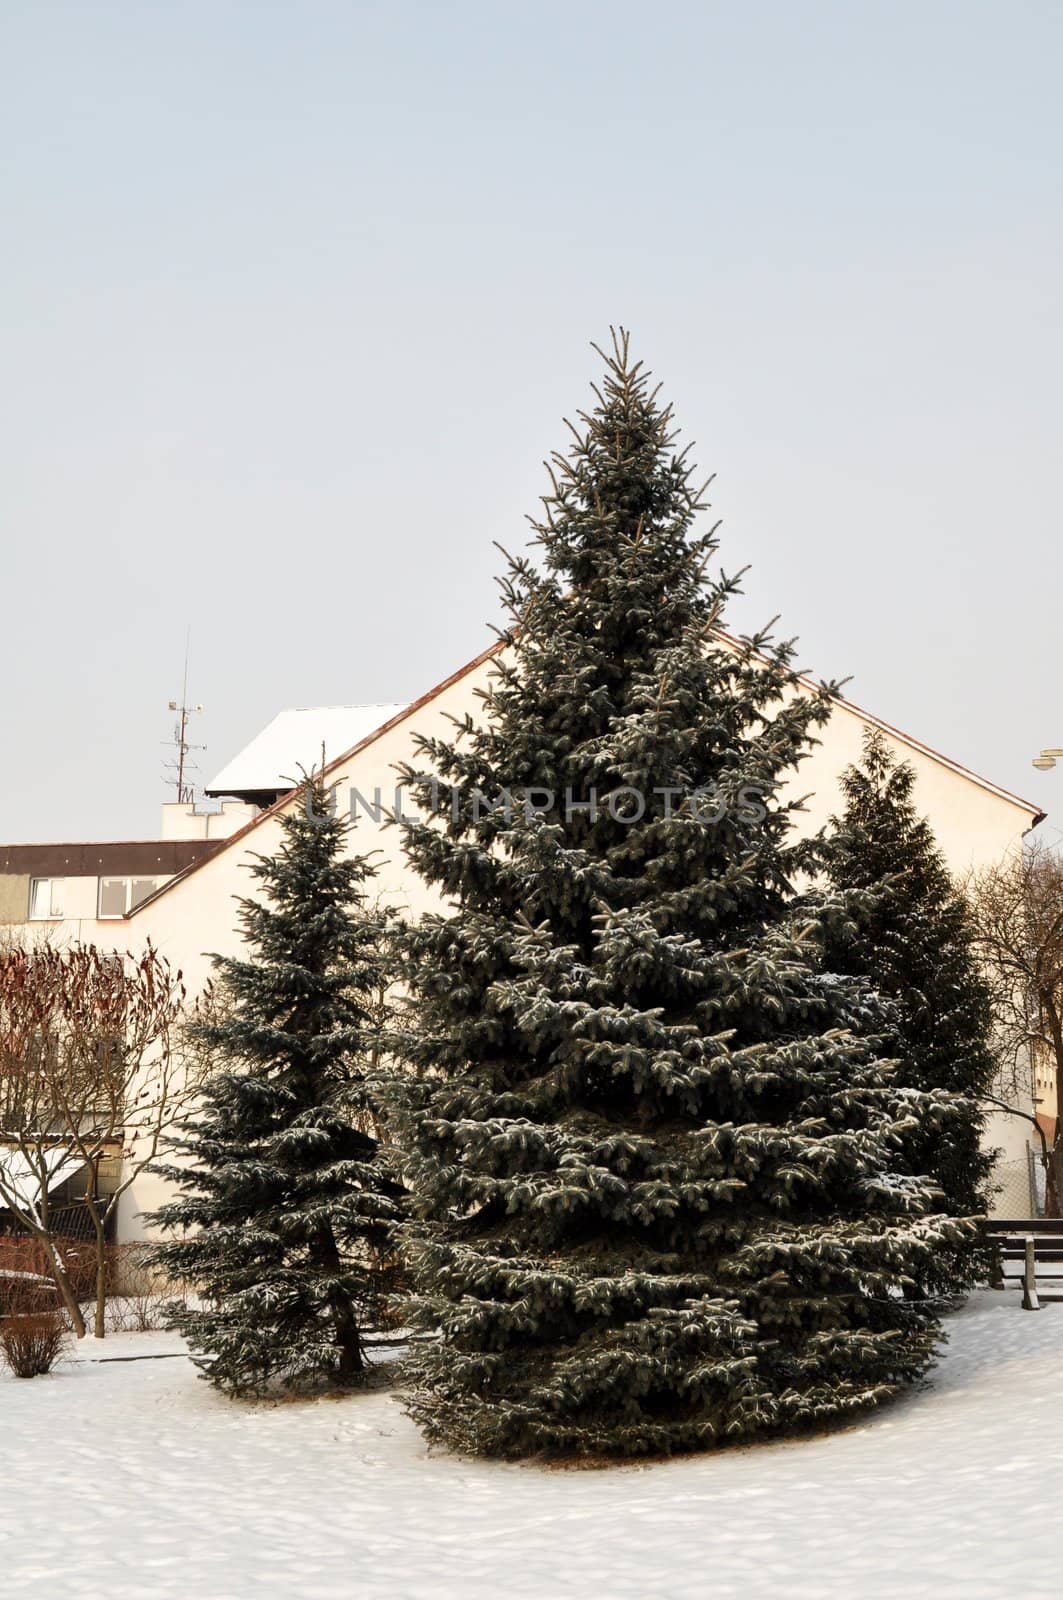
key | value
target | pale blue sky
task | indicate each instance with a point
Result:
(294, 296)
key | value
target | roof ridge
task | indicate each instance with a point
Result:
(342, 705)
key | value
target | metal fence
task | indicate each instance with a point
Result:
(1020, 1186)
(66, 1222)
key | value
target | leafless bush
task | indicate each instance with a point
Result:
(21, 1254)
(32, 1341)
(33, 1328)
(136, 1290)
(26, 1280)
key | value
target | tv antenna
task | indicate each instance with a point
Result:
(177, 768)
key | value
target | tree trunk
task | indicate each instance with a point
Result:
(1054, 1174)
(348, 1338)
(1054, 1180)
(100, 1323)
(63, 1284)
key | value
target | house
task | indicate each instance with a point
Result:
(70, 885)
(74, 891)
(192, 912)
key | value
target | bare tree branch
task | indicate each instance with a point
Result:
(1017, 908)
(95, 1069)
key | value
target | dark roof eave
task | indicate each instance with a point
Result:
(147, 857)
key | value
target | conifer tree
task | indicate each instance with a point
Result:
(286, 1206)
(650, 1140)
(913, 942)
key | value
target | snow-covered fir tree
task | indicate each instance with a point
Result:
(286, 1208)
(913, 941)
(651, 1143)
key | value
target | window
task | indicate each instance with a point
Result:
(119, 895)
(46, 898)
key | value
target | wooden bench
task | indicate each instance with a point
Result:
(1035, 1246)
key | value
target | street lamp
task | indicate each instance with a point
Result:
(1047, 760)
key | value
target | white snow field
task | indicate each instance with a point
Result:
(133, 1478)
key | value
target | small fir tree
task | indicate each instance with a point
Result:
(913, 941)
(286, 1207)
(651, 1144)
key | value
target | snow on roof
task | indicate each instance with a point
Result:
(271, 762)
(22, 1178)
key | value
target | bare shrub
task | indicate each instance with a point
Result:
(24, 1253)
(137, 1291)
(32, 1341)
(26, 1281)
(33, 1328)
(19, 1253)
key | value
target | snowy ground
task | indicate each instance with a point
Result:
(132, 1478)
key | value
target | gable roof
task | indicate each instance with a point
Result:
(844, 704)
(1035, 812)
(295, 738)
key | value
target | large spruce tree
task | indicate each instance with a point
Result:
(651, 1142)
(913, 941)
(286, 1208)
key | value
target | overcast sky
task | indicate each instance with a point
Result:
(295, 296)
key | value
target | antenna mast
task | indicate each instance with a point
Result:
(177, 768)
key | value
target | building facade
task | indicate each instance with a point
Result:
(193, 910)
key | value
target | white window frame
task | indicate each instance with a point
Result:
(127, 880)
(56, 886)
